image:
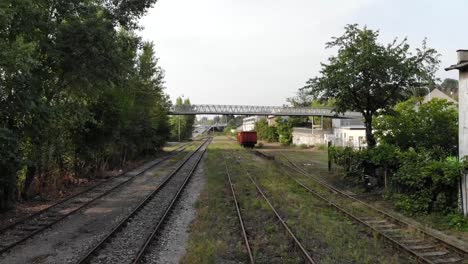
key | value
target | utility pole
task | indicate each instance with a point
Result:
(178, 118)
(462, 67)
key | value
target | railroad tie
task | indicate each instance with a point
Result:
(413, 241)
(433, 253)
(385, 226)
(376, 221)
(29, 228)
(420, 247)
(448, 260)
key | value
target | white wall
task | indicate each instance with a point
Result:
(248, 123)
(308, 137)
(349, 137)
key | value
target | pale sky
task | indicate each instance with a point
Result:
(259, 52)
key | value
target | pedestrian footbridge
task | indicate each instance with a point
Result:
(250, 110)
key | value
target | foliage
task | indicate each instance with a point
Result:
(78, 91)
(265, 132)
(432, 125)
(182, 126)
(449, 86)
(284, 128)
(370, 77)
(457, 221)
(424, 184)
(352, 161)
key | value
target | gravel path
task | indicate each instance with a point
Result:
(66, 241)
(124, 245)
(170, 245)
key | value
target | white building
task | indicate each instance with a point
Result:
(309, 136)
(349, 133)
(248, 123)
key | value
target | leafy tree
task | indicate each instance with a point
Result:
(449, 85)
(432, 125)
(265, 132)
(182, 126)
(72, 87)
(370, 77)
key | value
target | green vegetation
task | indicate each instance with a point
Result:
(327, 235)
(432, 125)
(416, 157)
(182, 126)
(266, 132)
(370, 77)
(78, 92)
(280, 132)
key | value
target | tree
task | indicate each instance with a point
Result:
(370, 77)
(266, 132)
(71, 85)
(449, 86)
(432, 125)
(182, 126)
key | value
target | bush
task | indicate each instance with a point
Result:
(457, 221)
(352, 161)
(321, 146)
(303, 146)
(428, 185)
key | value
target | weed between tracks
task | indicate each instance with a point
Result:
(327, 235)
(315, 163)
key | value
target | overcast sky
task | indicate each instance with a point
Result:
(260, 52)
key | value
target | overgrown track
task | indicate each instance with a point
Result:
(302, 249)
(128, 241)
(239, 215)
(34, 224)
(425, 247)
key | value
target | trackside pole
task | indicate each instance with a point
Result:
(462, 67)
(329, 158)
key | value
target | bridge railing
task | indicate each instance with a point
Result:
(259, 110)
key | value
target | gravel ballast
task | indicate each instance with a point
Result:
(170, 245)
(66, 241)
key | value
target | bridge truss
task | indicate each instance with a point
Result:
(259, 110)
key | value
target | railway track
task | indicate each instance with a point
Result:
(239, 215)
(36, 223)
(129, 240)
(306, 256)
(423, 246)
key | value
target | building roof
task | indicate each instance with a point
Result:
(436, 93)
(461, 65)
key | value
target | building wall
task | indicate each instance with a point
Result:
(349, 137)
(309, 137)
(248, 123)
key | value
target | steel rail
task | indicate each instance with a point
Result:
(120, 225)
(63, 216)
(360, 221)
(239, 215)
(304, 252)
(169, 208)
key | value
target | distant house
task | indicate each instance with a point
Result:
(344, 133)
(349, 133)
(436, 93)
(248, 123)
